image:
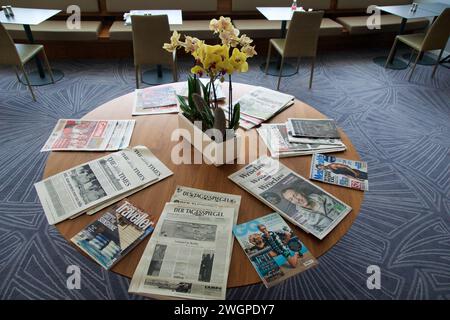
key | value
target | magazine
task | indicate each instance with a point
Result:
(260, 105)
(273, 249)
(342, 172)
(275, 136)
(93, 183)
(115, 233)
(89, 135)
(187, 255)
(153, 163)
(304, 204)
(155, 100)
(313, 128)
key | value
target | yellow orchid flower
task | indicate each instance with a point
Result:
(198, 70)
(239, 60)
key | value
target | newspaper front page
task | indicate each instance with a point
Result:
(295, 198)
(187, 256)
(85, 186)
(147, 158)
(89, 135)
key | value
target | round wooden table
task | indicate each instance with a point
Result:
(154, 131)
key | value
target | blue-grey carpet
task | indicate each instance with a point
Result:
(401, 128)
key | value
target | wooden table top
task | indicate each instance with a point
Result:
(29, 16)
(154, 131)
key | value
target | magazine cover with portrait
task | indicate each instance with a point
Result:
(342, 172)
(273, 249)
(294, 197)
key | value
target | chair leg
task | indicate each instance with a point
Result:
(280, 73)
(312, 72)
(391, 54)
(437, 63)
(298, 64)
(50, 72)
(268, 57)
(17, 74)
(137, 76)
(28, 82)
(414, 66)
(411, 56)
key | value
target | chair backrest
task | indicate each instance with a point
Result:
(9, 55)
(303, 34)
(149, 35)
(437, 36)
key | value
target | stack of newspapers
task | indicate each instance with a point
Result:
(92, 186)
(90, 135)
(260, 105)
(287, 140)
(189, 253)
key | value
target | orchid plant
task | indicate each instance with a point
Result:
(214, 62)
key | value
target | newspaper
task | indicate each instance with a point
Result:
(88, 185)
(152, 163)
(154, 100)
(313, 128)
(197, 196)
(341, 172)
(311, 208)
(260, 105)
(89, 135)
(273, 249)
(187, 255)
(275, 136)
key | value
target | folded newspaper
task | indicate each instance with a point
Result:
(341, 172)
(153, 163)
(188, 254)
(155, 100)
(273, 249)
(90, 135)
(94, 184)
(311, 208)
(260, 105)
(276, 137)
(313, 128)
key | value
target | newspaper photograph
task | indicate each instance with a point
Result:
(89, 135)
(76, 190)
(342, 172)
(187, 256)
(273, 249)
(275, 136)
(148, 159)
(304, 204)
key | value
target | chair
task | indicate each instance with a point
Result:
(301, 40)
(434, 39)
(18, 55)
(149, 35)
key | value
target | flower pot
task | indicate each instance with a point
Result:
(213, 152)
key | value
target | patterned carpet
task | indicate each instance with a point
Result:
(401, 128)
